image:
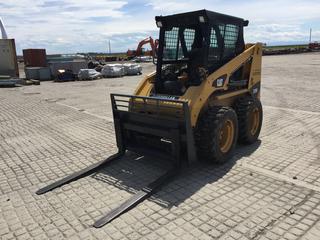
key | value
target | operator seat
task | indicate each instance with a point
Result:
(195, 62)
(171, 84)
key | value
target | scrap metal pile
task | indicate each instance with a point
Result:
(119, 70)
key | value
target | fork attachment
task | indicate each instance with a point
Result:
(137, 198)
(80, 174)
(147, 126)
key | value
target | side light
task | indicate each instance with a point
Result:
(159, 24)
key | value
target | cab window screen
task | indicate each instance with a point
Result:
(230, 35)
(172, 49)
(171, 43)
(189, 34)
(213, 39)
(223, 44)
(214, 51)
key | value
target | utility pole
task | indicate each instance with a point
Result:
(310, 37)
(109, 47)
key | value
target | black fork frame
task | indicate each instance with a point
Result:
(149, 118)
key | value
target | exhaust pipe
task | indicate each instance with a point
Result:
(3, 30)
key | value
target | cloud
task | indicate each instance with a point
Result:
(81, 25)
(270, 21)
(257, 10)
(171, 6)
(276, 33)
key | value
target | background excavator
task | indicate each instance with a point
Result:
(314, 46)
(203, 98)
(140, 50)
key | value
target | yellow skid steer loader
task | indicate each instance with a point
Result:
(203, 98)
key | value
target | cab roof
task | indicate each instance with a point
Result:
(192, 18)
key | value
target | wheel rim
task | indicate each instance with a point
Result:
(226, 136)
(255, 119)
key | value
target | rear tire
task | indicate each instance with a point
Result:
(250, 115)
(216, 134)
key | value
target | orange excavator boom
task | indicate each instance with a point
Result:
(143, 42)
(138, 52)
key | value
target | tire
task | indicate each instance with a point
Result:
(211, 133)
(250, 116)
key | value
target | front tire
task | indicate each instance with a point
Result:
(216, 134)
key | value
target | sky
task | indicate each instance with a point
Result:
(70, 26)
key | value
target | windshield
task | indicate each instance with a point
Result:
(179, 41)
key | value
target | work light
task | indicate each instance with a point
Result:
(202, 19)
(159, 24)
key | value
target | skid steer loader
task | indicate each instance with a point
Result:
(202, 99)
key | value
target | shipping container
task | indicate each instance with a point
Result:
(8, 58)
(38, 73)
(32, 72)
(45, 73)
(35, 57)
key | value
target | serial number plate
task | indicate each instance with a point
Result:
(167, 97)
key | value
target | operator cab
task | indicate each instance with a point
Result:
(193, 45)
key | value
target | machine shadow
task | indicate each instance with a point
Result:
(133, 172)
